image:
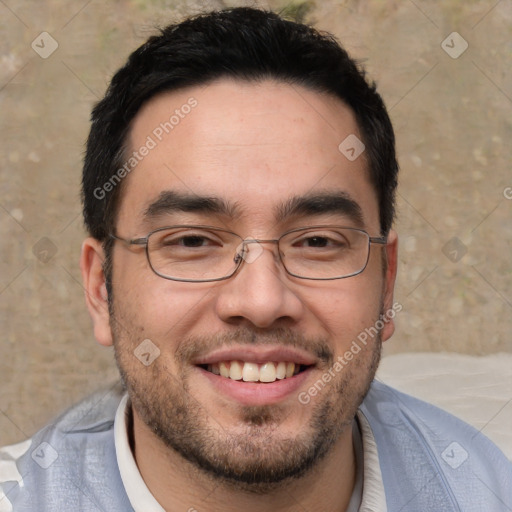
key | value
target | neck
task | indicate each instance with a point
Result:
(178, 485)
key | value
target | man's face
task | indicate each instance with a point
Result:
(254, 148)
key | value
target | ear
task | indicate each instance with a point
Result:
(389, 309)
(91, 265)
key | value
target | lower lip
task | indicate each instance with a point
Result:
(257, 393)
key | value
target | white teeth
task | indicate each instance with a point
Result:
(281, 370)
(267, 372)
(235, 370)
(224, 369)
(253, 372)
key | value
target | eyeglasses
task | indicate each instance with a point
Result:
(206, 253)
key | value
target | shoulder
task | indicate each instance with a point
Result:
(430, 458)
(68, 465)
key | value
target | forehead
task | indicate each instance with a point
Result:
(254, 145)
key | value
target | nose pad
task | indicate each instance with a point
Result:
(249, 250)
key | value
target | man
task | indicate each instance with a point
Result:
(238, 189)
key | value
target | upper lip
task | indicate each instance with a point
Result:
(259, 355)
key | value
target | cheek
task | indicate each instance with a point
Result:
(160, 309)
(347, 307)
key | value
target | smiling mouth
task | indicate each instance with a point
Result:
(253, 372)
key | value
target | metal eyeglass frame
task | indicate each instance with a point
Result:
(143, 241)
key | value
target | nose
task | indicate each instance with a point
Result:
(260, 293)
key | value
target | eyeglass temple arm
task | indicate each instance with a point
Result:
(378, 240)
(135, 241)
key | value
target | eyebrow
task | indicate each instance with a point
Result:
(170, 201)
(320, 203)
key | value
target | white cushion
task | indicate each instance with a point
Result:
(476, 389)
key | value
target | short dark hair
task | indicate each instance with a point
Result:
(242, 43)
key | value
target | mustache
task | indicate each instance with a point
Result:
(197, 346)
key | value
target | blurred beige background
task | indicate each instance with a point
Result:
(452, 111)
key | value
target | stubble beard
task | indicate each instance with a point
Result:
(255, 456)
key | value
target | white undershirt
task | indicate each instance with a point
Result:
(373, 495)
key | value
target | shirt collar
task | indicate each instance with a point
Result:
(136, 489)
(373, 497)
